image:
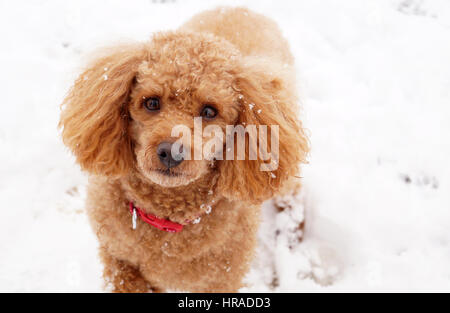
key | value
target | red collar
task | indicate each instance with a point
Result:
(160, 223)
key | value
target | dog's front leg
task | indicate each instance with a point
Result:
(123, 276)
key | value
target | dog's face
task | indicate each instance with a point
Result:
(120, 114)
(182, 79)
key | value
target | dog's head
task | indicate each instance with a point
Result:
(121, 113)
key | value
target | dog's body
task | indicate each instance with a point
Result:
(245, 60)
(212, 255)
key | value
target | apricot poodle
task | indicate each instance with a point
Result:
(164, 222)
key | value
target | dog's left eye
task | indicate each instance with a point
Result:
(151, 104)
(209, 112)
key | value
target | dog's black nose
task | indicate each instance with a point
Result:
(164, 152)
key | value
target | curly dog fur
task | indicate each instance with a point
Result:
(230, 57)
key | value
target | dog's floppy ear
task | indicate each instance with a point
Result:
(267, 97)
(94, 114)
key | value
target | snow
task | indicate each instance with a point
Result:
(374, 77)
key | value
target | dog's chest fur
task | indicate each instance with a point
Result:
(162, 257)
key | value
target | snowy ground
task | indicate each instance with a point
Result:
(375, 83)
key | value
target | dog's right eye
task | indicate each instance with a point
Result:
(151, 104)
